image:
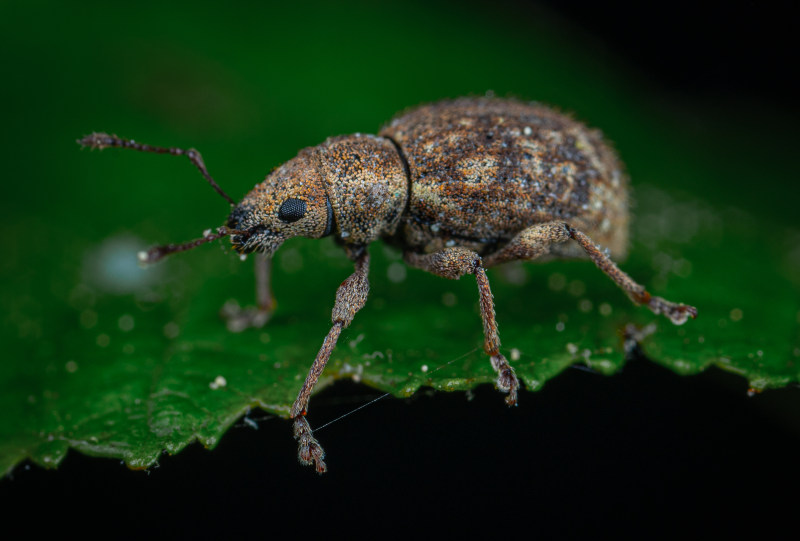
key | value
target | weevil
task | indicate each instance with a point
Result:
(459, 186)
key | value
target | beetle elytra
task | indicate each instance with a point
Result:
(458, 186)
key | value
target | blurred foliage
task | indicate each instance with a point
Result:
(117, 361)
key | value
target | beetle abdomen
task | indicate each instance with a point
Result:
(483, 169)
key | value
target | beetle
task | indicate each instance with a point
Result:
(459, 186)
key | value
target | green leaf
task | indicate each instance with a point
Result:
(116, 361)
(136, 374)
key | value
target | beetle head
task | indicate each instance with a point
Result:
(291, 202)
(355, 186)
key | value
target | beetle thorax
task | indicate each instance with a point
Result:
(367, 186)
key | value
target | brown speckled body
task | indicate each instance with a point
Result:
(482, 170)
(470, 173)
(457, 185)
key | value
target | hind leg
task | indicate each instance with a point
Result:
(453, 263)
(537, 240)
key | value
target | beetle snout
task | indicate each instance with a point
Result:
(241, 217)
(254, 238)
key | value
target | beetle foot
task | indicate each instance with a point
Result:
(678, 313)
(506, 378)
(309, 451)
(238, 319)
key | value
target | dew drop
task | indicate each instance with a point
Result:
(103, 340)
(126, 323)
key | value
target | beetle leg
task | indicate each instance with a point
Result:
(239, 319)
(350, 298)
(264, 297)
(678, 313)
(536, 241)
(530, 243)
(453, 263)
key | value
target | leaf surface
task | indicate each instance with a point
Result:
(121, 362)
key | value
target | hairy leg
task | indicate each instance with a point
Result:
(453, 263)
(537, 240)
(239, 319)
(350, 298)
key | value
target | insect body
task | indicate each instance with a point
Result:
(459, 186)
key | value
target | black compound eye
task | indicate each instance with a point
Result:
(292, 210)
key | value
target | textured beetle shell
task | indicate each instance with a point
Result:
(362, 177)
(482, 170)
(469, 173)
(366, 183)
(258, 212)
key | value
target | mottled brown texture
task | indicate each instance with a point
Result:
(367, 185)
(507, 381)
(352, 293)
(299, 178)
(482, 170)
(450, 263)
(301, 402)
(350, 298)
(459, 186)
(309, 451)
(676, 312)
(453, 263)
(535, 242)
(362, 178)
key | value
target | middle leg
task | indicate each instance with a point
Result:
(453, 263)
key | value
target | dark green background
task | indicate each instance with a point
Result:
(249, 85)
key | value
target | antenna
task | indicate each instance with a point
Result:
(103, 140)
(159, 252)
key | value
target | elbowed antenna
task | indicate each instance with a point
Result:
(103, 140)
(159, 252)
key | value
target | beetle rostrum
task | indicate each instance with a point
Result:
(458, 186)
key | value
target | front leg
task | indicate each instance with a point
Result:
(238, 319)
(350, 298)
(453, 263)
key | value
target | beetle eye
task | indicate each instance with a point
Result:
(292, 210)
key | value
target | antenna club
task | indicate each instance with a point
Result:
(97, 140)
